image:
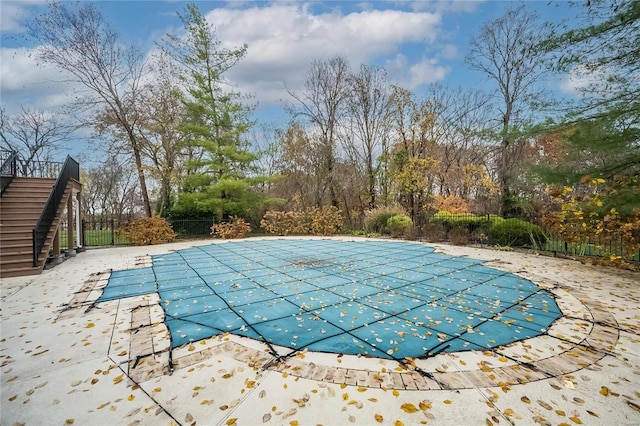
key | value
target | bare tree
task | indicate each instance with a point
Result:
(35, 135)
(505, 51)
(162, 112)
(323, 102)
(460, 117)
(75, 38)
(110, 191)
(300, 179)
(369, 110)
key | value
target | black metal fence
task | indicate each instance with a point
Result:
(104, 232)
(8, 168)
(489, 230)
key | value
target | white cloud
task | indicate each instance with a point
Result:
(25, 82)
(284, 39)
(426, 71)
(13, 13)
(411, 76)
(579, 79)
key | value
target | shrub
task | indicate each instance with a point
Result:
(317, 221)
(235, 228)
(458, 220)
(148, 230)
(375, 220)
(283, 223)
(398, 224)
(459, 236)
(323, 221)
(451, 204)
(411, 233)
(434, 232)
(516, 232)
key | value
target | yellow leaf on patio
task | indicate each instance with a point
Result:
(409, 408)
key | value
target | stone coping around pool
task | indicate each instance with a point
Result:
(582, 336)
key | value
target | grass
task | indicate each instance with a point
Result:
(96, 237)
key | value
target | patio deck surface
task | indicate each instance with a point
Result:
(66, 360)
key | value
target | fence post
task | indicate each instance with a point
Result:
(113, 233)
(84, 229)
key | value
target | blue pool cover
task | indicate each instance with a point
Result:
(387, 299)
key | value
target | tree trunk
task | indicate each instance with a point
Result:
(141, 178)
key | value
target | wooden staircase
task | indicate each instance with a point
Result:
(20, 207)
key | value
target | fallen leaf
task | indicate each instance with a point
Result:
(131, 397)
(545, 405)
(69, 421)
(352, 419)
(395, 393)
(90, 325)
(604, 391)
(262, 394)
(525, 400)
(379, 418)
(266, 417)
(447, 401)
(576, 420)
(425, 405)
(398, 423)
(409, 408)
(631, 404)
(231, 421)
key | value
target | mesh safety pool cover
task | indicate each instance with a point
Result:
(386, 299)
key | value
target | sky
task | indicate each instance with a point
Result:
(418, 43)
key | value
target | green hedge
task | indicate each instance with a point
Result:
(468, 221)
(517, 233)
(398, 224)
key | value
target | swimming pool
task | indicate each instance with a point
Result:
(387, 299)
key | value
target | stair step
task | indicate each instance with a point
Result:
(19, 272)
(7, 246)
(16, 264)
(20, 208)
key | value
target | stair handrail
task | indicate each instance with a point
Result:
(70, 170)
(8, 170)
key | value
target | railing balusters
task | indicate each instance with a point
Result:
(70, 170)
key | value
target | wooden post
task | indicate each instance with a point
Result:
(70, 248)
(56, 242)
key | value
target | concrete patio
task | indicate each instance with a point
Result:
(65, 360)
